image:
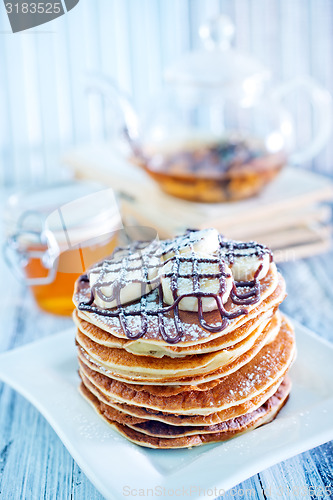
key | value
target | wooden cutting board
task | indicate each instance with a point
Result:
(292, 215)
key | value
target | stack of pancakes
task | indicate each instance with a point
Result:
(207, 387)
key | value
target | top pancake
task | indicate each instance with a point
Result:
(144, 347)
(194, 334)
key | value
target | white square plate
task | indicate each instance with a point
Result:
(45, 372)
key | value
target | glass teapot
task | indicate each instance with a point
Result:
(218, 131)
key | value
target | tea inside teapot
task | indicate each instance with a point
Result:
(212, 170)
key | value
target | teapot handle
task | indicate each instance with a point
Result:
(120, 102)
(322, 107)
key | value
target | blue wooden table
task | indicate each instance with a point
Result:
(34, 464)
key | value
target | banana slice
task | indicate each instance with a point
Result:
(245, 268)
(205, 241)
(126, 277)
(187, 284)
(244, 261)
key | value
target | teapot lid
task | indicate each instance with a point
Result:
(217, 64)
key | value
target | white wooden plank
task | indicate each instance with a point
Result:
(173, 25)
(63, 95)
(74, 54)
(321, 55)
(121, 27)
(17, 122)
(295, 478)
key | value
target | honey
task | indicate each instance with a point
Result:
(56, 297)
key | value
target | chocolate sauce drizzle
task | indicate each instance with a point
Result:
(139, 256)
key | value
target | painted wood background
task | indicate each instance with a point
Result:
(44, 108)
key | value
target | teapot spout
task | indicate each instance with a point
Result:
(120, 105)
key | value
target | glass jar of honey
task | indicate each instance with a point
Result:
(53, 235)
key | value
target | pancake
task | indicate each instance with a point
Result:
(231, 428)
(171, 370)
(204, 377)
(147, 348)
(143, 414)
(171, 389)
(268, 366)
(193, 333)
(155, 428)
